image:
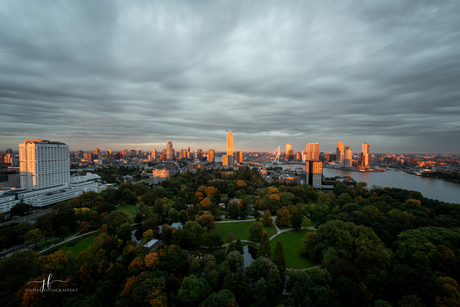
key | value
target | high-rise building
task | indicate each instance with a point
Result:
(9, 151)
(297, 157)
(124, 153)
(211, 155)
(97, 152)
(288, 150)
(132, 153)
(239, 157)
(339, 153)
(154, 154)
(230, 143)
(199, 154)
(312, 150)
(230, 148)
(139, 153)
(348, 157)
(365, 149)
(43, 164)
(314, 173)
(169, 151)
(225, 160)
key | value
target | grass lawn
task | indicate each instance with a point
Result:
(81, 246)
(239, 230)
(291, 247)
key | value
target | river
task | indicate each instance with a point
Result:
(429, 187)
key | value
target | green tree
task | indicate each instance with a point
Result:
(264, 246)
(357, 243)
(34, 236)
(143, 209)
(267, 218)
(255, 231)
(124, 232)
(115, 218)
(278, 257)
(224, 298)
(19, 209)
(158, 207)
(182, 216)
(194, 290)
(296, 220)
(282, 218)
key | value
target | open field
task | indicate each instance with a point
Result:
(80, 246)
(291, 247)
(239, 230)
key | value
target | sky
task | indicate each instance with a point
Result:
(137, 74)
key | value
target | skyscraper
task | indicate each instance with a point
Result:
(169, 151)
(365, 149)
(348, 157)
(154, 154)
(97, 152)
(239, 157)
(230, 143)
(288, 150)
(314, 173)
(229, 149)
(339, 153)
(312, 150)
(8, 151)
(211, 155)
(43, 164)
(124, 153)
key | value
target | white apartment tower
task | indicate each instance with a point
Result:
(43, 164)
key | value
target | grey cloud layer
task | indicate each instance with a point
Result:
(141, 73)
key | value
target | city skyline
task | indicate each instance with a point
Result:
(384, 73)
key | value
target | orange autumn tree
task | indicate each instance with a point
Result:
(211, 191)
(206, 202)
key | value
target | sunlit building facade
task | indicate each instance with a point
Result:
(169, 151)
(348, 157)
(314, 173)
(43, 164)
(365, 149)
(312, 150)
(339, 153)
(239, 157)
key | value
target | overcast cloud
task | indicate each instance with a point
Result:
(136, 74)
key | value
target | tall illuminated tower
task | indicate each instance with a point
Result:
(211, 155)
(230, 143)
(365, 149)
(169, 151)
(339, 153)
(348, 157)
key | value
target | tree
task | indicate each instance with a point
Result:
(357, 243)
(282, 218)
(243, 208)
(255, 231)
(194, 290)
(267, 218)
(278, 257)
(19, 209)
(124, 232)
(306, 221)
(264, 246)
(230, 238)
(115, 218)
(148, 236)
(451, 291)
(158, 207)
(182, 216)
(235, 260)
(224, 298)
(34, 236)
(296, 220)
(205, 220)
(143, 209)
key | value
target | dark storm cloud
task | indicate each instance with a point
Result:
(141, 73)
